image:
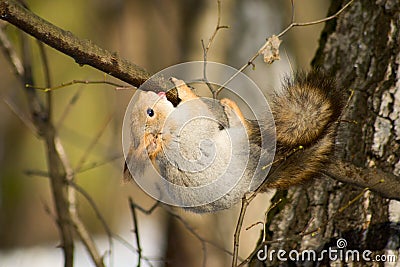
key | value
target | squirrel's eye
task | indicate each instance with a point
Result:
(150, 112)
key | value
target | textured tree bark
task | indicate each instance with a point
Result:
(361, 48)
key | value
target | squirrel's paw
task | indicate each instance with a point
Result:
(153, 144)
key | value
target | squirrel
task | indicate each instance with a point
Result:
(306, 113)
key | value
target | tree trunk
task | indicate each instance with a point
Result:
(361, 49)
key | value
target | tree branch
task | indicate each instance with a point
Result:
(60, 194)
(57, 173)
(383, 183)
(84, 52)
(75, 220)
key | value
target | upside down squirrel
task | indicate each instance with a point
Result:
(191, 152)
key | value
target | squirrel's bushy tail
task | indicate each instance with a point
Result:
(306, 113)
(305, 109)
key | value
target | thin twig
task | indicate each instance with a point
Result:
(96, 210)
(194, 233)
(76, 221)
(96, 164)
(200, 238)
(80, 228)
(296, 24)
(37, 173)
(217, 27)
(236, 236)
(134, 250)
(265, 216)
(293, 24)
(206, 49)
(83, 51)
(10, 53)
(245, 202)
(148, 211)
(186, 224)
(90, 166)
(254, 224)
(133, 206)
(87, 240)
(47, 77)
(136, 231)
(56, 169)
(100, 217)
(205, 79)
(73, 82)
(271, 207)
(17, 65)
(25, 120)
(293, 11)
(93, 143)
(68, 108)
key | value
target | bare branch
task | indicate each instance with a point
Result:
(75, 220)
(143, 210)
(194, 233)
(202, 240)
(207, 48)
(217, 28)
(47, 89)
(47, 77)
(296, 24)
(132, 249)
(293, 24)
(99, 163)
(56, 170)
(67, 109)
(136, 231)
(87, 240)
(21, 115)
(61, 197)
(97, 212)
(92, 144)
(84, 52)
(383, 183)
(10, 53)
(236, 236)
(37, 173)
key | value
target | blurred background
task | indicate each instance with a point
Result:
(154, 34)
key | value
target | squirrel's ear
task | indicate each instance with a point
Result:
(184, 92)
(127, 174)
